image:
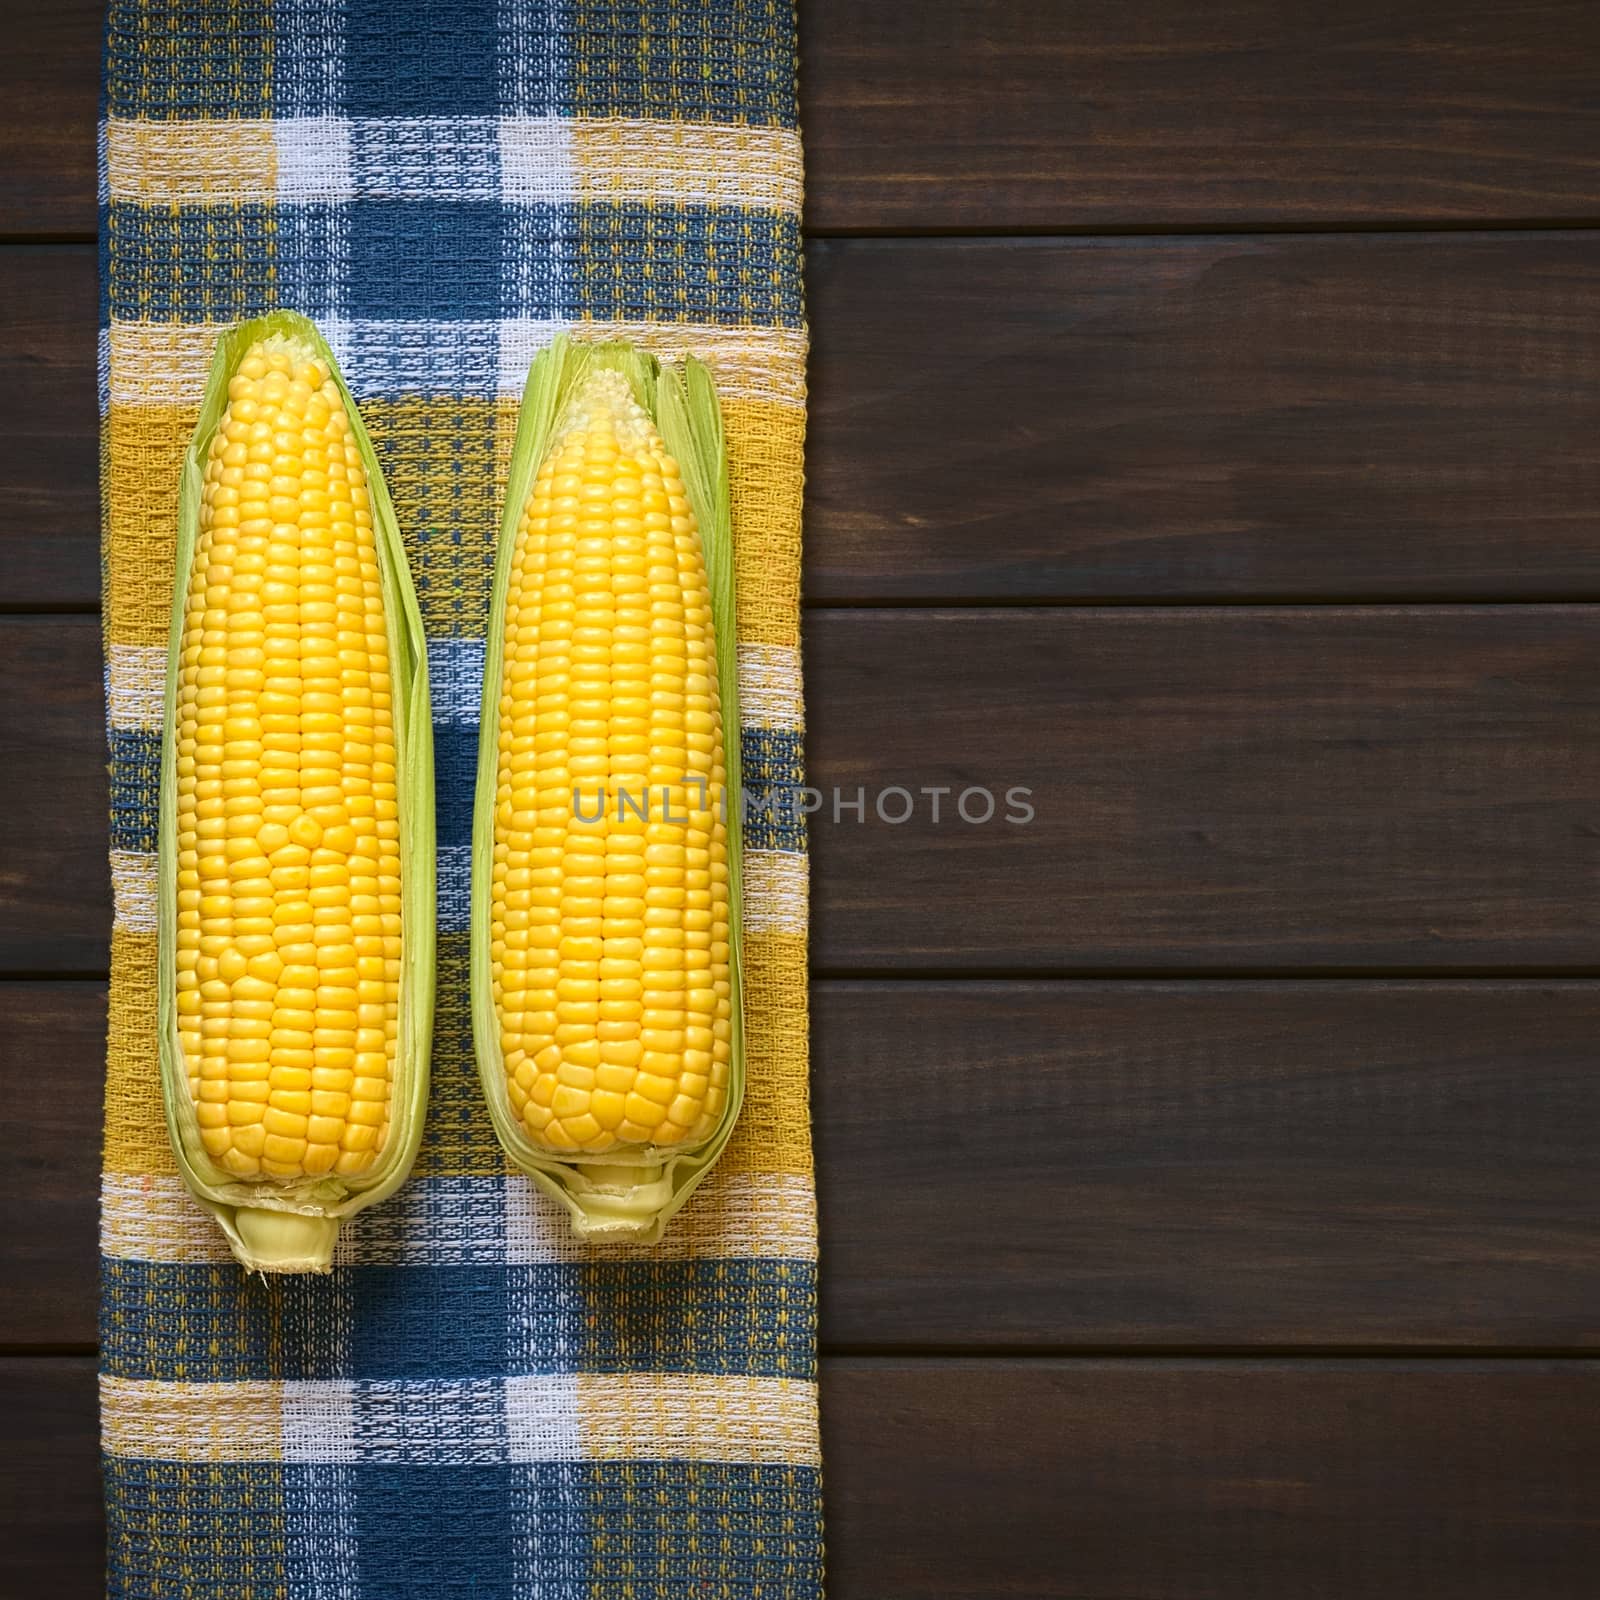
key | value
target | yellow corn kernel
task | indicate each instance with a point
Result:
(285, 647)
(609, 797)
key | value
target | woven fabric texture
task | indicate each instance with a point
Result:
(471, 1404)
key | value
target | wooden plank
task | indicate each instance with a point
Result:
(55, 1037)
(1212, 790)
(1078, 1480)
(1098, 115)
(1250, 112)
(49, 86)
(1294, 418)
(49, 529)
(52, 1527)
(1211, 1481)
(1088, 1165)
(1208, 1164)
(1323, 789)
(55, 898)
(1234, 418)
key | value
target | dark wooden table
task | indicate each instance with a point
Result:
(1206, 436)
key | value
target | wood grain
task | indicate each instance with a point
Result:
(1208, 1164)
(1030, 114)
(49, 87)
(52, 1527)
(55, 1039)
(1078, 1480)
(55, 896)
(1087, 1165)
(1213, 790)
(1211, 1481)
(992, 117)
(1324, 789)
(1222, 418)
(1297, 418)
(49, 522)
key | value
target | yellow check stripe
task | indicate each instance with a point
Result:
(775, 893)
(687, 163)
(766, 444)
(733, 1215)
(136, 679)
(136, 1129)
(773, 1133)
(134, 890)
(165, 363)
(749, 364)
(238, 1421)
(649, 1416)
(191, 162)
(145, 447)
(245, 160)
(653, 1416)
(145, 1218)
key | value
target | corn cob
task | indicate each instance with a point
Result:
(608, 986)
(291, 819)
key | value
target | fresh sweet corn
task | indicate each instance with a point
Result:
(609, 1025)
(609, 913)
(293, 1036)
(288, 966)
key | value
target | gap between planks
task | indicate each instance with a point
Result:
(24, 239)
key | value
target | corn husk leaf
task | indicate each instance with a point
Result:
(276, 1226)
(626, 1195)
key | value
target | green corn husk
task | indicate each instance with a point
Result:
(291, 1226)
(621, 1195)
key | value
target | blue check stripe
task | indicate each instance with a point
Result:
(496, 1532)
(321, 1562)
(135, 777)
(635, 53)
(226, 1517)
(310, 42)
(398, 357)
(471, 1321)
(455, 767)
(774, 777)
(474, 260)
(239, 242)
(167, 60)
(453, 887)
(455, 680)
(415, 58)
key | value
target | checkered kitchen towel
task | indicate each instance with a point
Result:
(470, 1404)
